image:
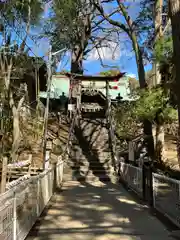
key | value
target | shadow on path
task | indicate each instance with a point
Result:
(97, 212)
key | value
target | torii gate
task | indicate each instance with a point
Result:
(78, 83)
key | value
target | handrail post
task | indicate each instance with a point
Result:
(107, 102)
(38, 197)
(14, 216)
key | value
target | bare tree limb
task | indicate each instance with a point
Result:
(110, 20)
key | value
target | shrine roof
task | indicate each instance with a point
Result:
(95, 77)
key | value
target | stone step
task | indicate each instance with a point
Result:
(102, 151)
(97, 149)
(89, 172)
(93, 164)
(89, 139)
(89, 155)
(91, 152)
(91, 178)
(93, 131)
(86, 171)
(95, 170)
(75, 166)
(92, 160)
(90, 166)
(92, 128)
(94, 135)
(76, 157)
(94, 142)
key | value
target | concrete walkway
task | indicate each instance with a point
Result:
(97, 211)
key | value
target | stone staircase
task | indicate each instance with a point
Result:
(90, 157)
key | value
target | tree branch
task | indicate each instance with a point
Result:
(125, 14)
(110, 20)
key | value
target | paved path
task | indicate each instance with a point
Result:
(97, 212)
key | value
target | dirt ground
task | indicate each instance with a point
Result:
(170, 152)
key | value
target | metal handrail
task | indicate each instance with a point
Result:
(70, 133)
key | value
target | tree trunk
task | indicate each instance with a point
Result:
(158, 35)
(157, 79)
(141, 74)
(76, 61)
(174, 8)
(77, 55)
(16, 125)
(149, 138)
(83, 38)
(139, 62)
(16, 134)
(4, 174)
(159, 147)
(23, 44)
(129, 29)
(142, 82)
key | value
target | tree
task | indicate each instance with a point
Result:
(20, 15)
(174, 11)
(111, 72)
(160, 45)
(76, 26)
(73, 28)
(158, 8)
(129, 27)
(14, 60)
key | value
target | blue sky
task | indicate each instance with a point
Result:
(124, 59)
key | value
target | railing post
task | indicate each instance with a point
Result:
(131, 151)
(54, 178)
(110, 126)
(147, 183)
(107, 101)
(38, 196)
(154, 191)
(150, 186)
(4, 174)
(61, 172)
(179, 191)
(14, 216)
(144, 181)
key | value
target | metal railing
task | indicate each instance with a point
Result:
(111, 129)
(21, 206)
(165, 191)
(26, 198)
(133, 176)
(166, 196)
(24, 201)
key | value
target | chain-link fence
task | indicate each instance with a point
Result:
(22, 205)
